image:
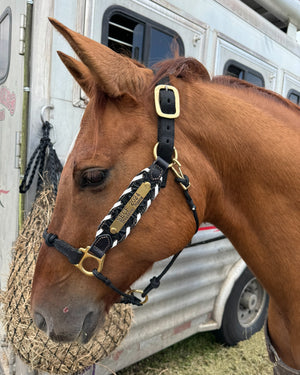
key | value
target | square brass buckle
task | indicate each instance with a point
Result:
(87, 255)
(157, 103)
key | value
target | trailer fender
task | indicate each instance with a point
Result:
(235, 272)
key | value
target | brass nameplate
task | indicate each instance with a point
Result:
(130, 207)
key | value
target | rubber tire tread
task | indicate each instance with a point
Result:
(231, 331)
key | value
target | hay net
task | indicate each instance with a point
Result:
(32, 345)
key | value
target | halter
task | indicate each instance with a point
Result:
(136, 199)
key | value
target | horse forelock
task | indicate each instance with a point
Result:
(189, 69)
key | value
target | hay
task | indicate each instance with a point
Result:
(202, 355)
(31, 344)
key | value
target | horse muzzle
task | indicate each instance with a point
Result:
(70, 322)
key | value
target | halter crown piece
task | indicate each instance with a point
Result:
(136, 199)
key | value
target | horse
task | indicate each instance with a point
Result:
(238, 144)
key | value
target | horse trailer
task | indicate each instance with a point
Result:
(209, 286)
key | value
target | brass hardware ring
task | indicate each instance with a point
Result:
(174, 158)
(87, 255)
(132, 291)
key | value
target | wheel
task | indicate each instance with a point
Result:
(245, 310)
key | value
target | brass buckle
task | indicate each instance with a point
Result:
(157, 104)
(87, 255)
(132, 291)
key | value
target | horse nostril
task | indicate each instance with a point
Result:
(40, 321)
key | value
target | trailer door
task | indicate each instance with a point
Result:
(11, 98)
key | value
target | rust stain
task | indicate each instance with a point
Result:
(182, 327)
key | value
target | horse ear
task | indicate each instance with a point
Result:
(115, 75)
(79, 71)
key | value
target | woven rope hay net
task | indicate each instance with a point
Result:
(31, 344)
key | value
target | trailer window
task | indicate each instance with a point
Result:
(235, 69)
(294, 96)
(162, 46)
(5, 40)
(126, 36)
(138, 37)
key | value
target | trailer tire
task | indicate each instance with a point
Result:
(245, 310)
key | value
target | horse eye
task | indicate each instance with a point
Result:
(93, 177)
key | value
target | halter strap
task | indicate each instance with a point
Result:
(165, 106)
(136, 199)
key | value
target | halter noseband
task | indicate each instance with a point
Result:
(136, 199)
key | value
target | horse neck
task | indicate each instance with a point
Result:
(251, 155)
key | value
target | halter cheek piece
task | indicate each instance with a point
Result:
(136, 199)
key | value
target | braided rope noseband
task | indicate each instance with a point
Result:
(135, 200)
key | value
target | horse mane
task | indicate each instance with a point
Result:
(244, 85)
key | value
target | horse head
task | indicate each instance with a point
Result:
(116, 138)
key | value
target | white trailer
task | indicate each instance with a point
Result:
(209, 287)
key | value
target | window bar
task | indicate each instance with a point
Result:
(120, 26)
(120, 42)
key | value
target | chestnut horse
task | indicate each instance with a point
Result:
(238, 144)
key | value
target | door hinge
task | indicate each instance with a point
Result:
(18, 150)
(22, 34)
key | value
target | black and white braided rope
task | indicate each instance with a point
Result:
(105, 238)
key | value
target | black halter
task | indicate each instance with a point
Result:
(136, 199)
